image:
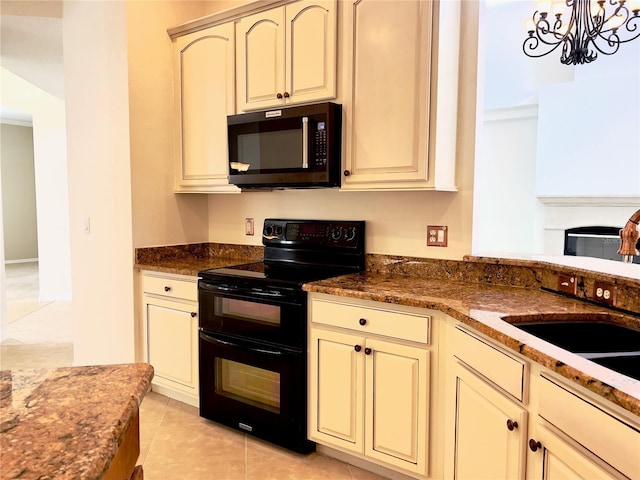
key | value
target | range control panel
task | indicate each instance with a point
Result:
(321, 233)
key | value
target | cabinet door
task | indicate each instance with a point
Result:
(336, 386)
(389, 102)
(397, 403)
(172, 342)
(205, 83)
(311, 50)
(260, 60)
(486, 445)
(556, 460)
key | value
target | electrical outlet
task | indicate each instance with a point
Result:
(248, 226)
(567, 284)
(437, 235)
(606, 293)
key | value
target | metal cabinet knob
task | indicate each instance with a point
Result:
(193, 314)
(534, 445)
(357, 348)
(279, 96)
(367, 351)
(167, 288)
(286, 95)
(347, 173)
(512, 425)
(362, 321)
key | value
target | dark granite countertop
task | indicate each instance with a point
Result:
(481, 306)
(477, 291)
(67, 422)
(192, 258)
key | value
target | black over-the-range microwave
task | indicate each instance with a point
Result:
(293, 147)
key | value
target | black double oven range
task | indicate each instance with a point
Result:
(253, 328)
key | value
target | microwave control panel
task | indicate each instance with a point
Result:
(320, 144)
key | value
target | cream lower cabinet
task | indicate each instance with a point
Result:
(577, 436)
(488, 424)
(490, 431)
(204, 96)
(510, 419)
(170, 330)
(369, 394)
(287, 55)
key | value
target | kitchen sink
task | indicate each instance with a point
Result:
(593, 336)
(628, 365)
(579, 336)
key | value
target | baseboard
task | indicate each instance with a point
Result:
(21, 260)
(363, 464)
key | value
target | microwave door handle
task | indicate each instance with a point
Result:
(305, 142)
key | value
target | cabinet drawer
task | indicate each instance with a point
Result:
(170, 287)
(606, 436)
(502, 369)
(405, 326)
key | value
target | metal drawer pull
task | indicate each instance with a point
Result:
(534, 445)
(167, 288)
(362, 321)
(512, 425)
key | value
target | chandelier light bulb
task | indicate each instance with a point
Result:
(529, 25)
(634, 6)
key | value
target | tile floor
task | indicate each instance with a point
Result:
(176, 443)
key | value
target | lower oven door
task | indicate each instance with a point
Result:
(255, 388)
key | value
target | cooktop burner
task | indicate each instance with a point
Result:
(294, 274)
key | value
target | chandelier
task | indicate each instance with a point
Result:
(583, 28)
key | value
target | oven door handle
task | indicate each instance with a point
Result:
(226, 343)
(215, 288)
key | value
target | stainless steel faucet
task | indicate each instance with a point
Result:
(628, 238)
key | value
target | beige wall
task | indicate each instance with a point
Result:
(160, 217)
(18, 192)
(396, 221)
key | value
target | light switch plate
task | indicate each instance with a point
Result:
(567, 284)
(437, 235)
(248, 226)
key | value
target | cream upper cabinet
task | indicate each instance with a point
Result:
(369, 395)
(400, 94)
(205, 95)
(287, 55)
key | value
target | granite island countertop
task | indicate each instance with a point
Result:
(482, 306)
(67, 422)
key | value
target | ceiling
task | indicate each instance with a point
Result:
(31, 47)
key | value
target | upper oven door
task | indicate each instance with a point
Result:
(259, 313)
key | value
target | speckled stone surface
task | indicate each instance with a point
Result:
(478, 291)
(68, 422)
(482, 306)
(189, 259)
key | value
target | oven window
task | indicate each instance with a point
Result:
(245, 383)
(244, 310)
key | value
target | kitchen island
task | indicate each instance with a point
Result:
(73, 422)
